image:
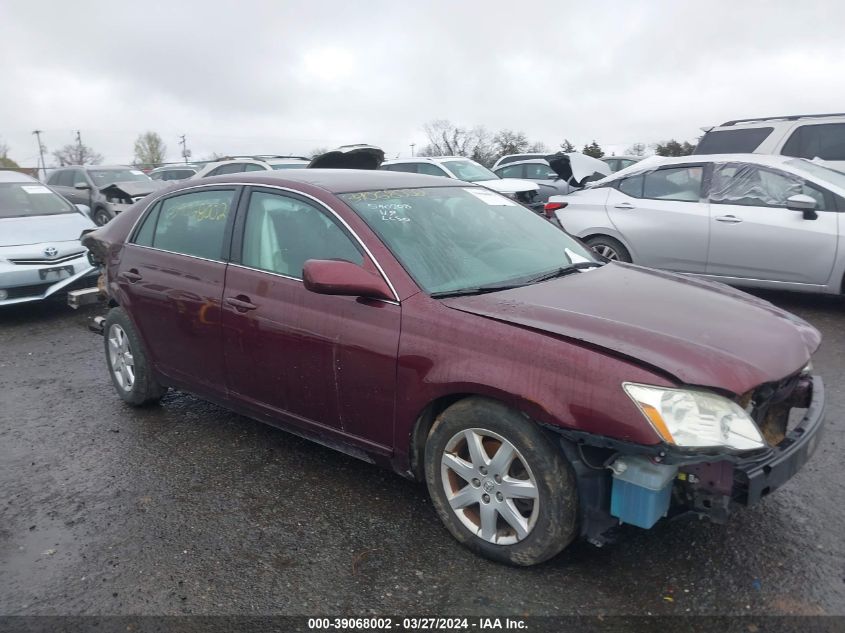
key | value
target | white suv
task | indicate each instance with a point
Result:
(803, 136)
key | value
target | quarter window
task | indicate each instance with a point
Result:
(231, 168)
(253, 167)
(681, 183)
(282, 233)
(189, 224)
(732, 141)
(632, 186)
(825, 141)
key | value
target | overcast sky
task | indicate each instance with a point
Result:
(286, 77)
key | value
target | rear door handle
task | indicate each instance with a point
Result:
(729, 219)
(625, 205)
(131, 275)
(241, 303)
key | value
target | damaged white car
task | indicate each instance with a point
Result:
(40, 252)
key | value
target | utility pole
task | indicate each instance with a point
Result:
(413, 145)
(40, 153)
(185, 151)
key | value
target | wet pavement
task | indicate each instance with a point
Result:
(188, 508)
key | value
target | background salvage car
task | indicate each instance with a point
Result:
(445, 331)
(744, 219)
(106, 190)
(40, 253)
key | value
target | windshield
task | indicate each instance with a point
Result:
(821, 172)
(469, 171)
(21, 199)
(456, 238)
(104, 177)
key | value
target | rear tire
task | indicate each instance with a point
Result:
(515, 500)
(129, 367)
(610, 248)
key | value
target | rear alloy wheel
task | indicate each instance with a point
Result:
(500, 486)
(128, 365)
(101, 217)
(609, 248)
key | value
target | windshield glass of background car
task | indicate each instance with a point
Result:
(836, 178)
(104, 177)
(25, 199)
(469, 171)
(454, 238)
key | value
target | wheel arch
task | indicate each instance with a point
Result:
(427, 417)
(611, 234)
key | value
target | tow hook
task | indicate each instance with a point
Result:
(97, 325)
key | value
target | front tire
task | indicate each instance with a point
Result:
(101, 216)
(128, 364)
(499, 485)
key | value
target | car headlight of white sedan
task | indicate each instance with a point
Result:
(695, 419)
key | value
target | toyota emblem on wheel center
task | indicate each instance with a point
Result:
(51, 251)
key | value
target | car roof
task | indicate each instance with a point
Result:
(526, 161)
(9, 175)
(623, 156)
(424, 159)
(166, 167)
(339, 180)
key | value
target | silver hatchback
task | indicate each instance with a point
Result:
(743, 219)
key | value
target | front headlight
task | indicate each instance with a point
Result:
(695, 419)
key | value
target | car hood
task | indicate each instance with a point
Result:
(133, 188)
(508, 185)
(62, 227)
(577, 169)
(349, 157)
(702, 333)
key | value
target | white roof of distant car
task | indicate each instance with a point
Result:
(7, 175)
(425, 159)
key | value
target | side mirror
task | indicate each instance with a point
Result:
(334, 277)
(84, 209)
(804, 203)
(81, 185)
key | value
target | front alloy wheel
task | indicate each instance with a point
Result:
(501, 486)
(490, 486)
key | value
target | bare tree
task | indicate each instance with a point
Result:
(149, 149)
(446, 139)
(509, 142)
(5, 161)
(637, 149)
(77, 154)
(538, 147)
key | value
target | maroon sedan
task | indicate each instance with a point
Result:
(443, 330)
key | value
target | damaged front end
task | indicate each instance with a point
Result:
(619, 482)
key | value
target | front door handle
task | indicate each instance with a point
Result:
(625, 205)
(132, 275)
(729, 219)
(241, 303)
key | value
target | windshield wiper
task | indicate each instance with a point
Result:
(564, 270)
(478, 290)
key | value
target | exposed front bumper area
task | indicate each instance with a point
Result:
(710, 486)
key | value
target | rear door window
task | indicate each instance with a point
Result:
(682, 184)
(511, 171)
(732, 141)
(431, 170)
(190, 224)
(231, 168)
(825, 141)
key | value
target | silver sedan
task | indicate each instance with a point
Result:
(743, 219)
(40, 252)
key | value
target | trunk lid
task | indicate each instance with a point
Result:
(577, 169)
(349, 157)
